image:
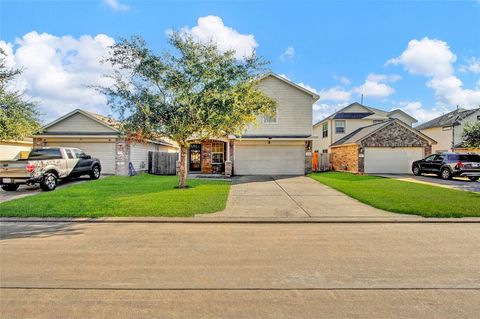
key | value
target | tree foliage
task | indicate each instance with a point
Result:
(19, 117)
(195, 91)
(471, 134)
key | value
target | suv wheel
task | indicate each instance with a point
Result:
(446, 174)
(10, 187)
(473, 178)
(95, 174)
(417, 171)
(49, 182)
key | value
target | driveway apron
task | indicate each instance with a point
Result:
(291, 196)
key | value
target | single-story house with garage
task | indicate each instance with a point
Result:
(14, 149)
(385, 147)
(277, 144)
(100, 137)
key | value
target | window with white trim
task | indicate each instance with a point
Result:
(218, 153)
(325, 130)
(270, 118)
(340, 127)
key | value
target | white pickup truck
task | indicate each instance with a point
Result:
(46, 166)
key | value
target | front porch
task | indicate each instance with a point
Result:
(210, 157)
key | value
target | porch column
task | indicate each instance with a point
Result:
(228, 162)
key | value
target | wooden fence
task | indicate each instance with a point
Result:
(162, 163)
(324, 162)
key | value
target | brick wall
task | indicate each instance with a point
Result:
(394, 135)
(207, 157)
(345, 158)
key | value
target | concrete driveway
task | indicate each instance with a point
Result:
(291, 196)
(457, 183)
(145, 270)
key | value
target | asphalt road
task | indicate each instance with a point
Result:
(145, 270)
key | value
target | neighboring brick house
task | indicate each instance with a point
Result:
(99, 136)
(387, 147)
(448, 129)
(279, 144)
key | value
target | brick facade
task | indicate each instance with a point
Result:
(394, 135)
(345, 158)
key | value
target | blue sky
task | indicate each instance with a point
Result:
(423, 57)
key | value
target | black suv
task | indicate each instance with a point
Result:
(448, 165)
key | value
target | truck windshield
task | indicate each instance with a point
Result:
(464, 158)
(45, 153)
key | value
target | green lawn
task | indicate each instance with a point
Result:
(119, 196)
(403, 197)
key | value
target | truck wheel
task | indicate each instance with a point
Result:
(95, 174)
(446, 174)
(49, 182)
(473, 178)
(417, 171)
(10, 187)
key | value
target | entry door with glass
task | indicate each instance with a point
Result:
(195, 157)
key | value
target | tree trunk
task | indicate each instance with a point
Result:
(182, 182)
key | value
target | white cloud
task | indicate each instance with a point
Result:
(342, 79)
(428, 57)
(288, 54)
(374, 89)
(58, 70)
(374, 77)
(473, 65)
(212, 28)
(417, 110)
(434, 59)
(116, 5)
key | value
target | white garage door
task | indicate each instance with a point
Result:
(105, 152)
(391, 160)
(269, 159)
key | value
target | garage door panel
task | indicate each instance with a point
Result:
(105, 152)
(269, 160)
(391, 160)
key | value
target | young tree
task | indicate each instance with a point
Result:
(19, 117)
(471, 134)
(195, 92)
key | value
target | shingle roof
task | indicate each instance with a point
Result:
(447, 119)
(352, 115)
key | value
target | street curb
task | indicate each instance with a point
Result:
(230, 220)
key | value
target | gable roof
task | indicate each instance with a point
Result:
(369, 111)
(364, 132)
(315, 96)
(103, 120)
(447, 119)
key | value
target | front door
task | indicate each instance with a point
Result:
(195, 155)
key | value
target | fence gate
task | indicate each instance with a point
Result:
(162, 163)
(324, 162)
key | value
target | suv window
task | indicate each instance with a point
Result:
(463, 158)
(78, 153)
(69, 154)
(45, 153)
(438, 158)
(430, 158)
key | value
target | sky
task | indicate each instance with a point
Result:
(420, 56)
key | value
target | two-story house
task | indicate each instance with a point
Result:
(448, 128)
(278, 144)
(350, 118)
(363, 139)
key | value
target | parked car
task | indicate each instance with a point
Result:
(448, 165)
(46, 166)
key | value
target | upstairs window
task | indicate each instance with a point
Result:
(340, 127)
(270, 118)
(325, 130)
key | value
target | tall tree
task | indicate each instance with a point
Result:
(471, 134)
(19, 117)
(196, 91)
